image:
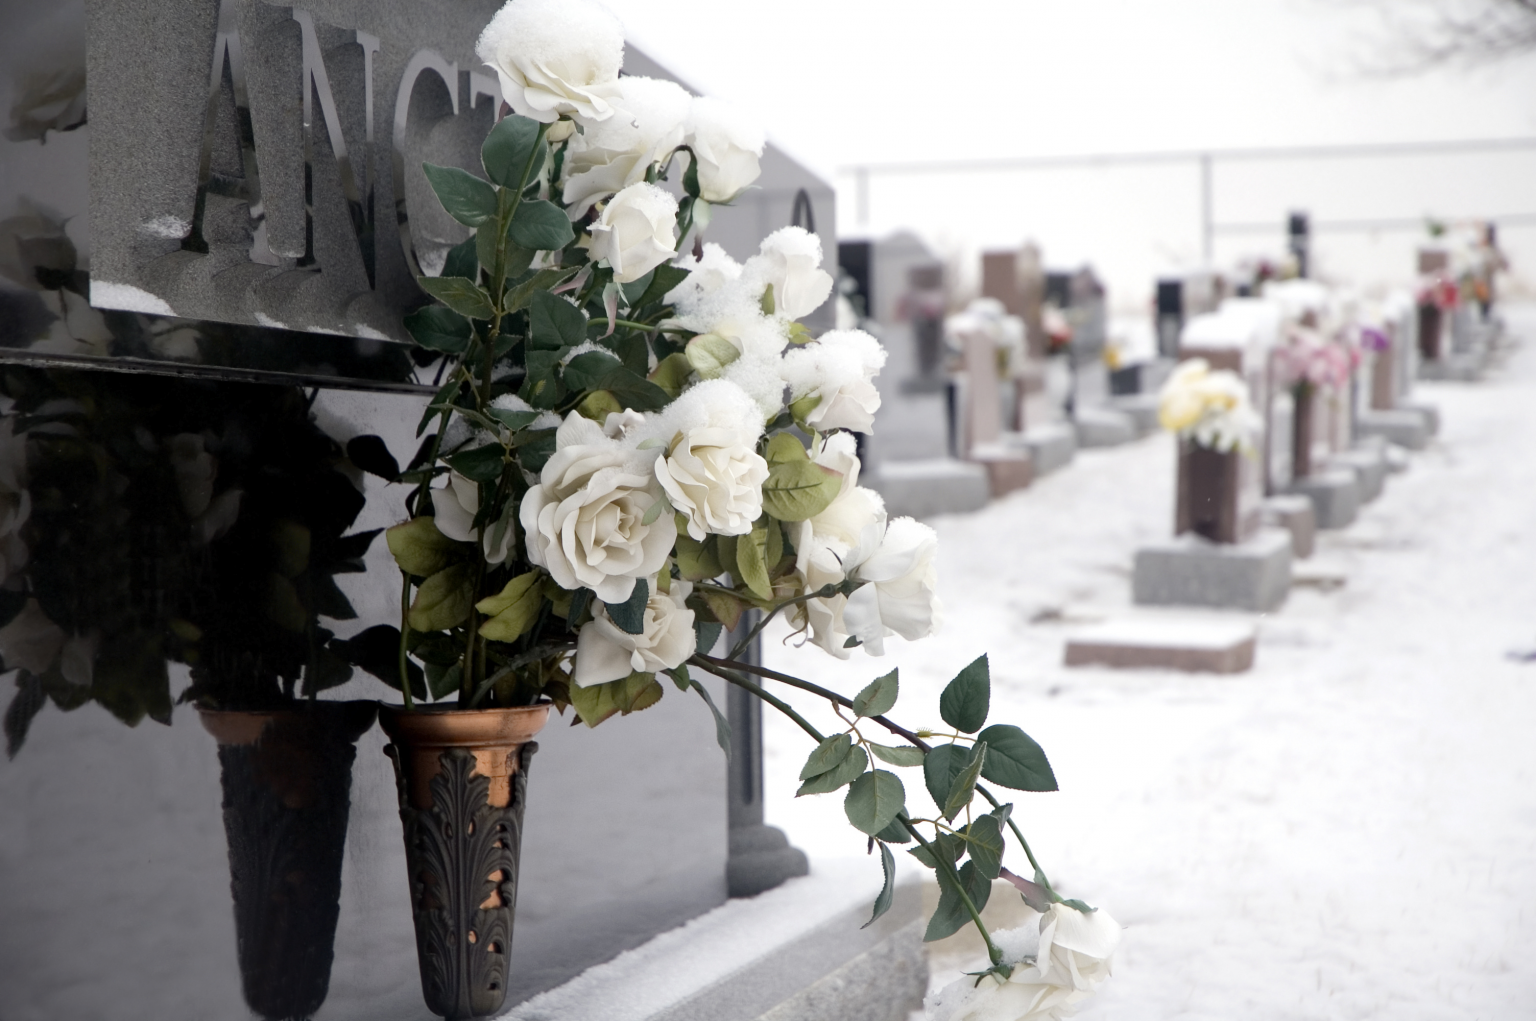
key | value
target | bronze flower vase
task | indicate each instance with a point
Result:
(1207, 494)
(463, 780)
(287, 780)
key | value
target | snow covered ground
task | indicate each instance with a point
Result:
(1347, 831)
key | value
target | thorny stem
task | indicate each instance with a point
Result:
(405, 634)
(825, 592)
(942, 861)
(631, 324)
(725, 672)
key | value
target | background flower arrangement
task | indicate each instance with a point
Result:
(633, 448)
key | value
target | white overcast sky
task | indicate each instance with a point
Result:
(838, 82)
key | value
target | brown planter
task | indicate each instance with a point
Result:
(1431, 323)
(463, 780)
(1207, 499)
(1301, 430)
(287, 781)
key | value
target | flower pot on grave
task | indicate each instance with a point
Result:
(287, 779)
(1431, 324)
(1301, 429)
(463, 779)
(1207, 496)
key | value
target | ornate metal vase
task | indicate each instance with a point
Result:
(463, 780)
(287, 779)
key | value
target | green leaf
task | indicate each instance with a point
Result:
(873, 801)
(513, 420)
(797, 490)
(671, 374)
(461, 294)
(540, 283)
(586, 371)
(513, 610)
(722, 726)
(785, 447)
(1015, 760)
(707, 635)
(847, 771)
(444, 600)
(878, 696)
(900, 755)
(826, 755)
(963, 787)
(752, 560)
(633, 390)
(951, 913)
(895, 833)
(663, 279)
(945, 844)
(598, 702)
(540, 226)
(542, 388)
(420, 549)
(439, 329)
(482, 464)
(697, 561)
(940, 767)
(984, 841)
(630, 614)
(535, 447)
(462, 261)
(466, 198)
(443, 681)
(966, 699)
(554, 322)
(888, 891)
(509, 147)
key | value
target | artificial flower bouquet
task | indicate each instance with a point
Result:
(1209, 408)
(634, 450)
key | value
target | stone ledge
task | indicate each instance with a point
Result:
(1008, 469)
(1051, 447)
(1191, 571)
(1335, 496)
(1370, 468)
(1295, 515)
(1104, 427)
(922, 489)
(1192, 645)
(1404, 427)
(795, 952)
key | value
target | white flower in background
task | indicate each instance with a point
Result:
(831, 545)
(634, 233)
(585, 520)
(836, 375)
(606, 652)
(1211, 408)
(454, 509)
(647, 124)
(901, 591)
(15, 499)
(710, 467)
(789, 260)
(1058, 964)
(727, 147)
(555, 57)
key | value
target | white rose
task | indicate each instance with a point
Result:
(789, 260)
(712, 270)
(585, 520)
(634, 233)
(1057, 965)
(900, 595)
(727, 148)
(835, 376)
(711, 469)
(555, 57)
(647, 124)
(454, 509)
(831, 545)
(606, 652)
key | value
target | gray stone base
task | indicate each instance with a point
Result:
(1335, 496)
(1193, 646)
(760, 859)
(1103, 427)
(1008, 469)
(1294, 514)
(885, 983)
(1405, 427)
(1370, 468)
(1430, 413)
(1461, 367)
(1191, 571)
(1141, 409)
(1050, 446)
(922, 489)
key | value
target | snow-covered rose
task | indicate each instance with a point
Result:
(454, 509)
(585, 520)
(1058, 963)
(606, 652)
(789, 260)
(634, 233)
(555, 57)
(901, 591)
(834, 378)
(647, 124)
(710, 468)
(727, 147)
